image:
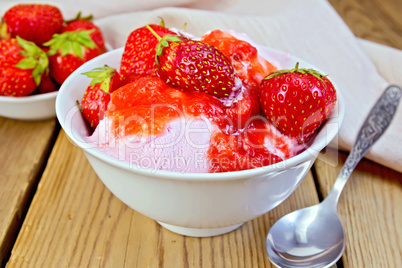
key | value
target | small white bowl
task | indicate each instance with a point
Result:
(193, 204)
(35, 107)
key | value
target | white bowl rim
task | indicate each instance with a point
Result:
(304, 156)
(29, 98)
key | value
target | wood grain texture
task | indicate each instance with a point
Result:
(74, 221)
(375, 20)
(23, 148)
(370, 210)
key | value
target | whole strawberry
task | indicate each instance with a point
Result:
(47, 84)
(33, 22)
(97, 95)
(140, 50)
(196, 66)
(22, 65)
(85, 23)
(297, 101)
(68, 51)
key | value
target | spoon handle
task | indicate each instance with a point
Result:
(373, 127)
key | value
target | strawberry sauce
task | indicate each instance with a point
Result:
(146, 107)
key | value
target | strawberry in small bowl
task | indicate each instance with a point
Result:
(191, 141)
(23, 71)
(29, 76)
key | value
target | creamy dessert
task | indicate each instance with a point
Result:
(217, 104)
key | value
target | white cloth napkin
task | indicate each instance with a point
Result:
(309, 29)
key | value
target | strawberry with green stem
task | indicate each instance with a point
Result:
(79, 42)
(195, 66)
(97, 95)
(22, 65)
(297, 101)
(139, 52)
(68, 51)
(80, 23)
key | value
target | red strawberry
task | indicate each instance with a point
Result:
(33, 22)
(47, 85)
(68, 51)
(85, 23)
(22, 65)
(139, 52)
(196, 66)
(297, 101)
(250, 66)
(97, 96)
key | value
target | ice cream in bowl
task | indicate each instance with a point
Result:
(201, 135)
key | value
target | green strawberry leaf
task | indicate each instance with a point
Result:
(105, 86)
(101, 75)
(26, 63)
(162, 23)
(78, 17)
(71, 43)
(66, 49)
(34, 58)
(163, 42)
(76, 48)
(29, 47)
(84, 39)
(313, 72)
(37, 75)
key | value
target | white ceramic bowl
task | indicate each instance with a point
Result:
(35, 107)
(190, 203)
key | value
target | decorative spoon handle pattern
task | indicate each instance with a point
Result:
(373, 127)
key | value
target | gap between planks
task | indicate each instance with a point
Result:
(12, 235)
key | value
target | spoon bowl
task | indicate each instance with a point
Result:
(314, 236)
(297, 238)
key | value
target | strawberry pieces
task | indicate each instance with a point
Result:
(139, 52)
(33, 22)
(240, 152)
(146, 106)
(22, 65)
(151, 102)
(97, 95)
(297, 101)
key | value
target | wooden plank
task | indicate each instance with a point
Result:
(74, 221)
(376, 20)
(23, 148)
(369, 209)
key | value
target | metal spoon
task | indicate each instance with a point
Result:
(314, 236)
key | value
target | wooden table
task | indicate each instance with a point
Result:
(55, 212)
